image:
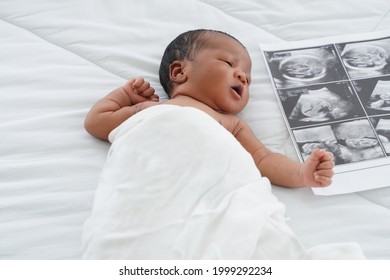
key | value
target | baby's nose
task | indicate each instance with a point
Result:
(241, 76)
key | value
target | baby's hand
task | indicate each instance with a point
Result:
(317, 171)
(139, 91)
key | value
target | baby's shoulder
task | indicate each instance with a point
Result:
(229, 122)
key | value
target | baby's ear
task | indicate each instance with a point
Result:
(176, 72)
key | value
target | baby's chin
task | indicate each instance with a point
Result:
(230, 111)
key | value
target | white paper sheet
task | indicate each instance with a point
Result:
(334, 94)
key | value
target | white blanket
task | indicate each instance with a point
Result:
(177, 185)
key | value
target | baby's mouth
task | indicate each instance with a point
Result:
(237, 89)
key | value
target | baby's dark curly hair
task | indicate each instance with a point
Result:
(184, 46)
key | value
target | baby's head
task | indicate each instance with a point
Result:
(196, 54)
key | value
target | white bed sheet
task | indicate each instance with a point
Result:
(59, 57)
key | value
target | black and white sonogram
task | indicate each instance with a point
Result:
(302, 67)
(319, 104)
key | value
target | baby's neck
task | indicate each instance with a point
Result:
(187, 101)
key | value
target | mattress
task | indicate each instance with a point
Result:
(59, 57)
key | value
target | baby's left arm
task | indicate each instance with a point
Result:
(317, 171)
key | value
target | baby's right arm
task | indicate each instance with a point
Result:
(120, 104)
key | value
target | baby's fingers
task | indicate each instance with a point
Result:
(321, 155)
(140, 84)
(324, 173)
(328, 156)
(323, 180)
(137, 82)
(144, 90)
(329, 164)
(324, 177)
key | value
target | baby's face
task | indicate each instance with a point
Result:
(220, 74)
